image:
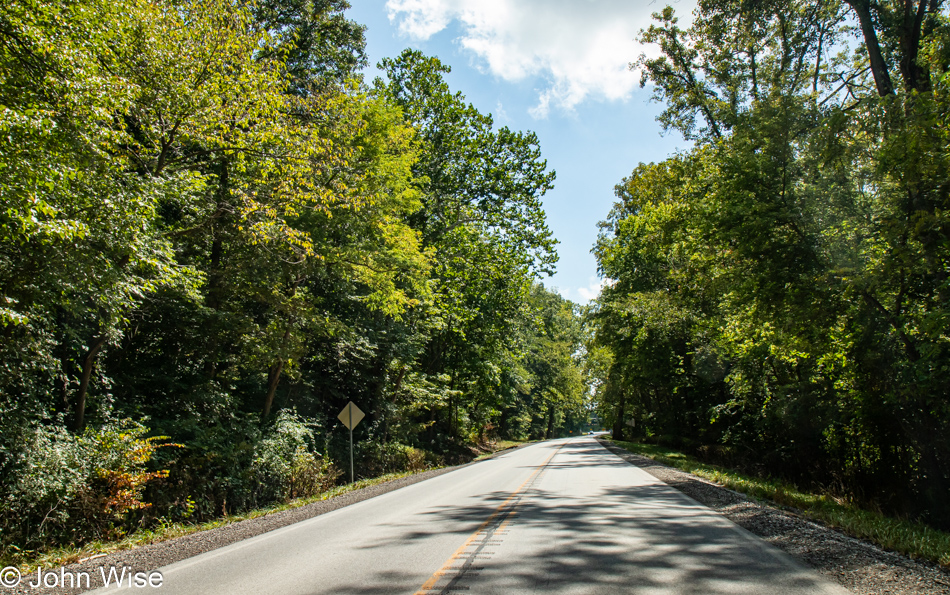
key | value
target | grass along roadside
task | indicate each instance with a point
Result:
(909, 538)
(28, 562)
(502, 445)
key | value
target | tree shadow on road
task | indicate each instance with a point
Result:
(635, 539)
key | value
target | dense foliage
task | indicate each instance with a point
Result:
(213, 231)
(778, 293)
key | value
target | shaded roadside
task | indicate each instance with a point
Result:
(861, 567)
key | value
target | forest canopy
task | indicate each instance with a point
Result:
(214, 234)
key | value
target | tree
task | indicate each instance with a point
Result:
(481, 217)
(782, 276)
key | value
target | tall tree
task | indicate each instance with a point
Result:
(481, 216)
(800, 245)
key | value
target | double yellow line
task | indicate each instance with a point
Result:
(446, 568)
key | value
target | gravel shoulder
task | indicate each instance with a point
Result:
(861, 567)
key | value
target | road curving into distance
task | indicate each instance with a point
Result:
(563, 516)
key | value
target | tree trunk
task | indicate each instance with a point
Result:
(64, 366)
(79, 412)
(910, 348)
(882, 79)
(395, 395)
(215, 274)
(273, 380)
(215, 289)
(915, 77)
(619, 421)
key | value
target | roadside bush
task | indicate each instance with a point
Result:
(234, 464)
(374, 459)
(285, 464)
(66, 489)
(212, 475)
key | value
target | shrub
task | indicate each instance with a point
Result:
(71, 489)
(374, 459)
(286, 466)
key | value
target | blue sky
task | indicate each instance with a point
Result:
(557, 67)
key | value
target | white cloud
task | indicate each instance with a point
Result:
(423, 18)
(500, 114)
(591, 291)
(581, 48)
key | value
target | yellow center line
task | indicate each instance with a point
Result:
(446, 568)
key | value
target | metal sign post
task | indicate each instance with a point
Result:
(350, 410)
(351, 416)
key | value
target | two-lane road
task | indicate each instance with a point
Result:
(564, 516)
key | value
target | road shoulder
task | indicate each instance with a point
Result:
(860, 567)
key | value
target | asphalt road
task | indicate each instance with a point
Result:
(565, 516)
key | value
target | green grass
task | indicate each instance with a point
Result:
(910, 538)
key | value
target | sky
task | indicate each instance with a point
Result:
(558, 68)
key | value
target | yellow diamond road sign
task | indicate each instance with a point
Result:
(351, 415)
